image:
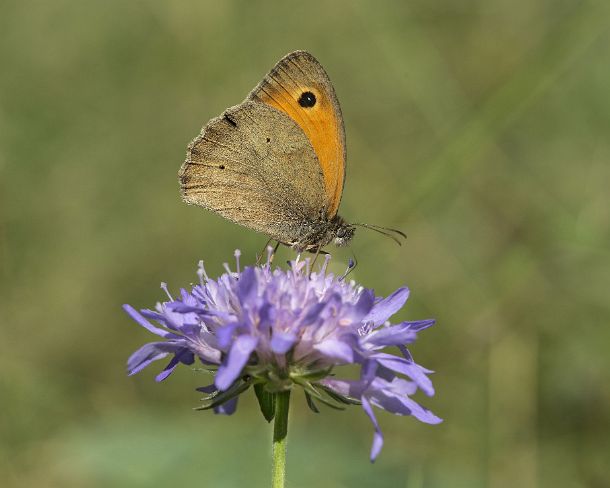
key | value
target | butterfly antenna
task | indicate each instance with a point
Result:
(385, 231)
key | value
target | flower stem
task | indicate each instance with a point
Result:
(280, 430)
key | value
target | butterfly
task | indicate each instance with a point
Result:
(275, 163)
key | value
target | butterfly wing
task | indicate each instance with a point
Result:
(253, 165)
(289, 87)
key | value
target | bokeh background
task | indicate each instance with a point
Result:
(480, 127)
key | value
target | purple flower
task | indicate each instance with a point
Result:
(277, 329)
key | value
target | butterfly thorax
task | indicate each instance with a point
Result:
(319, 233)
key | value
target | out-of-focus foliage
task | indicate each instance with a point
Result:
(479, 127)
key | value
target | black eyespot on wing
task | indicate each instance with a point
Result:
(222, 166)
(307, 99)
(230, 120)
(268, 139)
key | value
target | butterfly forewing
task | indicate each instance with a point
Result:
(299, 87)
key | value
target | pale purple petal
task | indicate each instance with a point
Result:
(187, 298)
(347, 388)
(227, 408)
(401, 405)
(422, 414)
(403, 387)
(169, 369)
(408, 368)
(365, 304)
(236, 360)
(185, 357)
(336, 350)
(282, 342)
(209, 389)
(368, 371)
(206, 352)
(378, 435)
(152, 315)
(387, 307)
(134, 314)
(314, 312)
(247, 285)
(224, 334)
(390, 336)
(395, 335)
(419, 325)
(148, 353)
(405, 352)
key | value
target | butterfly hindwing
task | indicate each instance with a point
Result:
(254, 166)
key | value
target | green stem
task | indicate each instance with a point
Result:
(280, 430)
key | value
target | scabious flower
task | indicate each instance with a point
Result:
(277, 329)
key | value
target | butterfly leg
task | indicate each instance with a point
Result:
(318, 252)
(259, 257)
(277, 245)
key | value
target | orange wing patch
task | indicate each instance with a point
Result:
(299, 87)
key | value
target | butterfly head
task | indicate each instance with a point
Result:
(343, 233)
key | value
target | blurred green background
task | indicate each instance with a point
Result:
(481, 128)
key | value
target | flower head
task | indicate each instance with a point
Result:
(277, 329)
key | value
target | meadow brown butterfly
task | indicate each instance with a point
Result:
(275, 163)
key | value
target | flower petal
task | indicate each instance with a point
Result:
(396, 335)
(185, 357)
(150, 352)
(365, 303)
(282, 342)
(389, 336)
(247, 286)
(209, 389)
(314, 312)
(227, 408)
(368, 372)
(403, 387)
(420, 413)
(225, 334)
(387, 307)
(378, 435)
(408, 368)
(385, 398)
(335, 349)
(134, 314)
(237, 358)
(418, 325)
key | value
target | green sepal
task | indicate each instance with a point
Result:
(321, 396)
(219, 398)
(310, 403)
(340, 398)
(314, 375)
(276, 383)
(266, 400)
